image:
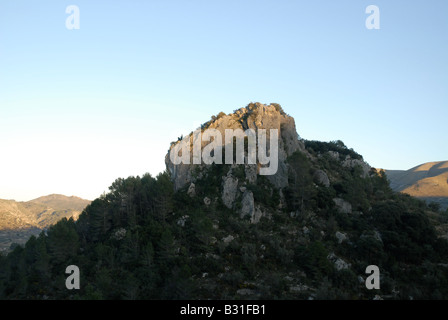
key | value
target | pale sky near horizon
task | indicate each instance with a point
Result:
(81, 108)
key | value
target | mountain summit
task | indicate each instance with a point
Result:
(236, 184)
(255, 116)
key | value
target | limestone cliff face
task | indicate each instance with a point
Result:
(255, 116)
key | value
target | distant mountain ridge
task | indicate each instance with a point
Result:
(428, 181)
(20, 220)
(61, 202)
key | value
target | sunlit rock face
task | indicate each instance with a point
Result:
(255, 116)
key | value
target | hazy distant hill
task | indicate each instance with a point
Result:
(61, 202)
(15, 215)
(20, 220)
(428, 181)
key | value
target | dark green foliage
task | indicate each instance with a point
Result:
(62, 242)
(142, 240)
(313, 259)
(207, 124)
(220, 115)
(264, 192)
(300, 193)
(434, 206)
(336, 146)
(278, 107)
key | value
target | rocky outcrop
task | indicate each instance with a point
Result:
(192, 190)
(119, 234)
(250, 170)
(352, 163)
(228, 239)
(181, 221)
(340, 236)
(321, 177)
(339, 263)
(230, 190)
(255, 116)
(258, 213)
(334, 154)
(342, 205)
(247, 204)
(375, 236)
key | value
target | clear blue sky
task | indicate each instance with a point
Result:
(80, 108)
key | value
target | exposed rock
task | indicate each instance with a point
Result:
(299, 288)
(282, 201)
(245, 292)
(230, 184)
(243, 189)
(341, 264)
(342, 205)
(321, 177)
(351, 163)
(214, 256)
(376, 236)
(247, 204)
(338, 262)
(305, 230)
(334, 154)
(255, 116)
(228, 239)
(258, 213)
(191, 190)
(181, 221)
(119, 234)
(207, 201)
(250, 170)
(341, 237)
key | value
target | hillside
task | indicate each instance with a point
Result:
(61, 202)
(20, 220)
(428, 181)
(226, 231)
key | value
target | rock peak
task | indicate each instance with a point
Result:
(255, 116)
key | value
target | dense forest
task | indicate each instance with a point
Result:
(143, 240)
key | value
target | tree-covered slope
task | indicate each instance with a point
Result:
(313, 239)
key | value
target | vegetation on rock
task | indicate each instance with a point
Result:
(143, 240)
